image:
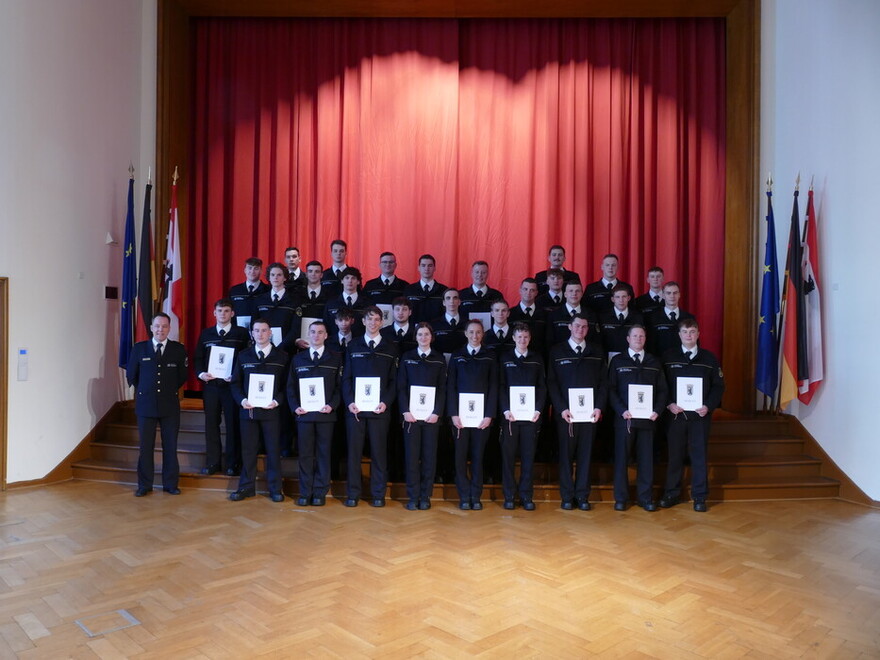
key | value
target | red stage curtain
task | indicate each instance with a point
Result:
(468, 139)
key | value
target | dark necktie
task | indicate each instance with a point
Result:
(315, 357)
(400, 333)
(387, 283)
(556, 299)
(528, 312)
(656, 299)
(250, 288)
(580, 350)
(620, 317)
(672, 317)
(609, 286)
(342, 342)
(276, 298)
(313, 295)
(427, 289)
(371, 344)
(424, 355)
(453, 322)
(637, 358)
(222, 333)
(348, 301)
(261, 355)
(501, 335)
(689, 354)
(573, 312)
(338, 273)
(473, 352)
(479, 294)
(158, 351)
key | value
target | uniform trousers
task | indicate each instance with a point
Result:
(470, 443)
(315, 440)
(519, 437)
(575, 446)
(250, 443)
(420, 447)
(688, 433)
(624, 440)
(220, 400)
(376, 427)
(169, 425)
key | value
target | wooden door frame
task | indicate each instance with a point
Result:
(4, 375)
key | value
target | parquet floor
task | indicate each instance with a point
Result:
(202, 577)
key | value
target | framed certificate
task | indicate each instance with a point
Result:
(483, 317)
(243, 322)
(367, 392)
(304, 326)
(387, 317)
(470, 409)
(220, 362)
(641, 401)
(276, 336)
(580, 404)
(311, 394)
(260, 390)
(522, 402)
(688, 392)
(421, 401)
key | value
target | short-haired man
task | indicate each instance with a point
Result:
(635, 366)
(560, 318)
(554, 295)
(341, 339)
(425, 295)
(217, 393)
(479, 296)
(332, 277)
(295, 276)
(260, 359)
(315, 427)
(556, 259)
(401, 331)
(663, 323)
(597, 295)
(528, 311)
(499, 338)
(576, 365)
(449, 328)
(244, 295)
(472, 370)
(688, 429)
(520, 367)
(348, 298)
(384, 289)
(369, 357)
(651, 300)
(279, 304)
(614, 324)
(157, 369)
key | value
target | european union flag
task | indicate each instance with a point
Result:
(767, 367)
(129, 282)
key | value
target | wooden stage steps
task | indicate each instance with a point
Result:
(756, 458)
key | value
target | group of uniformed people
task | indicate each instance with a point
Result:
(432, 366)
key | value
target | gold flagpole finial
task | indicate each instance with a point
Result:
(175, 177)
(130, 170)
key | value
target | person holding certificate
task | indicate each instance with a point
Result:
(523, 392)
(215, 356)
(578, 389)
(258, 384)
(471, 401)
(695, 388)
(421, 395)
(313, 393)
(368, 390)
(638, 396)
(244, 295)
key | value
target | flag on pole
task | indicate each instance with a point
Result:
(145, 264)
(129, 281)
(172, 303)
(794, 345)
(812, 305)
(767, 366)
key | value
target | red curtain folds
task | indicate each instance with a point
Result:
(468, 139)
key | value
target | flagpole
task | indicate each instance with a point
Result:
(768, 400)
(783, 307)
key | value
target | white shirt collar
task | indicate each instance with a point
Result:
(226, 327)
(692, 351)
(574, 345)
(632, 354)
(266, 350)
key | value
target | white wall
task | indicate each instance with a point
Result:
(78, 104)
(820, 116)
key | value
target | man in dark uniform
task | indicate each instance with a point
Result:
(663, 323)
(350, 299)
(597, 295)
(614, 324)
(261, 359)
(560, 318)
(314, 296)
(401, 331)
(499, 337)
(449, 328)
(384, 289)
(279, 304)
(426, 295)
(530, 312)
(315, 427)
(479, 296)
(554, 296)
(556, 258)
(575, 364)
(217, 394)
(688, 428)
(244, 295)
(635, 367)
(653, 298)
(295, 276)
(332, 277)
(520, 367)
(157, 370)
(369, 357)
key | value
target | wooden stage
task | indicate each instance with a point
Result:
(197, 576)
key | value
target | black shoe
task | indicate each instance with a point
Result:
(140, 492)
(528, 505)
(620, 506)
(668, 502)
(464, 506)
(584, 505)
(172, 491)
(476, 505)
(700, 506)
(648, 506)
(241, 493)
(509, 505)
(319, 501)
(233, 472)
(302, 501)
(211, 469)
(276, 497)
(377, 502)
(567, 506)
(351, 502)
(412, 505)
(424, 505)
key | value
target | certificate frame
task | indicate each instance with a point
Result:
(471, 409)
(367, 392)
(522, 402)
(220, 361)
(689, 392)
(640, 400)
(421, 401)
(311, 394)
(261, 389)
(581, 404)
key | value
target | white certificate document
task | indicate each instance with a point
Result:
(260, 389)
(311, 394)
(220, 362)
(367, 392)
(580, 404)
(688, 392)
(276, 336)
(304, 326)
(387, 316)
(483, 317)
(243, 322)
(641, 401)
(421, 401)
(470, 409)
(522, 402)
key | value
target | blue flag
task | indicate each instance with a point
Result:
(145, 267)
(129, 282)
(767, 367)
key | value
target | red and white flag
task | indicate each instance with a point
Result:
(172, 304)
(812, 306)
